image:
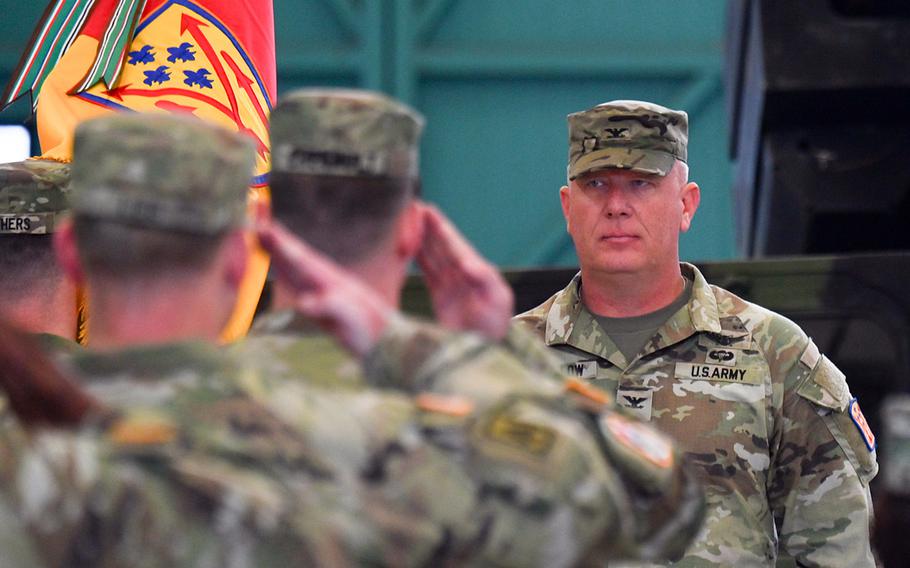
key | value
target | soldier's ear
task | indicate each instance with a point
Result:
(409, 230)
(67, 253)
(691, 196)
(564, 198)
(235, 258)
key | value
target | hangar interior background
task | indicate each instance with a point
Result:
(495, 81)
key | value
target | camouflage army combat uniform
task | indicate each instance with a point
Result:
(764, 417)
(210, 460)
(190, 472)
(525, 446)
(33, 196)
(779, 444)
(217, 460)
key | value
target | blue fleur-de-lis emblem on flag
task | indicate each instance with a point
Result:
(144, 55)
(159, 75)
(181, 53)
(198, 79)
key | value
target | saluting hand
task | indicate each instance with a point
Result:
(325, 292)
(468, 293)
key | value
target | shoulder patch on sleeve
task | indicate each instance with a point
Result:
(532, 439)
(860, 421)
(639, 439)
(826, 386)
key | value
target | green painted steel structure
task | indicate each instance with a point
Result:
(495, 79)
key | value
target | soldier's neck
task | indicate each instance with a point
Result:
(624, 295)
(135, 315)
(384, 276)
(45, 309)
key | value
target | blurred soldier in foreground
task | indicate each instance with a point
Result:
(270, 471)
(37, 296)
(780, 444)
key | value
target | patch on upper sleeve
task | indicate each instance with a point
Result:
(860, 421)
(638, 439)
(526, 437)
(826, 386)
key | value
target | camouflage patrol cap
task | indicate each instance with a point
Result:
(33, 196)
(159, 171)
(344, 132)
(632, 135)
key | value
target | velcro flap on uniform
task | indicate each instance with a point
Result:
(726, 339)
(826, 386)
(810, 356)
(582, 369)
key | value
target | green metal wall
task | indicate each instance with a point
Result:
(495, 79)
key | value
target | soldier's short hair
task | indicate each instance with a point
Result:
(27, 266)
(345, 217)
(112, 249)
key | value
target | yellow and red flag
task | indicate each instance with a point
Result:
(214, 59)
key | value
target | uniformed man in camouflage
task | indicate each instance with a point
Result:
(205, 458)
(36, 296)
(769, 423)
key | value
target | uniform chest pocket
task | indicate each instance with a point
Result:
(722, 416)
(676, 390)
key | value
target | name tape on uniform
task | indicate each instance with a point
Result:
(704, 372)
(582, 369)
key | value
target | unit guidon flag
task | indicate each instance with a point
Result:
(213, 59)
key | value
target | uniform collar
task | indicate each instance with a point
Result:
(569, 322)
(703, 312)
(281, 322)
(156, 360)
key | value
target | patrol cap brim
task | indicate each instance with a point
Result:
(635, 159)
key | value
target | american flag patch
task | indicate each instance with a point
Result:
(857, 416)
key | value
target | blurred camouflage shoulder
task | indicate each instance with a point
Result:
(548, 437)
(34, 196)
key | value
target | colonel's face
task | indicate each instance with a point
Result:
(623, 221)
